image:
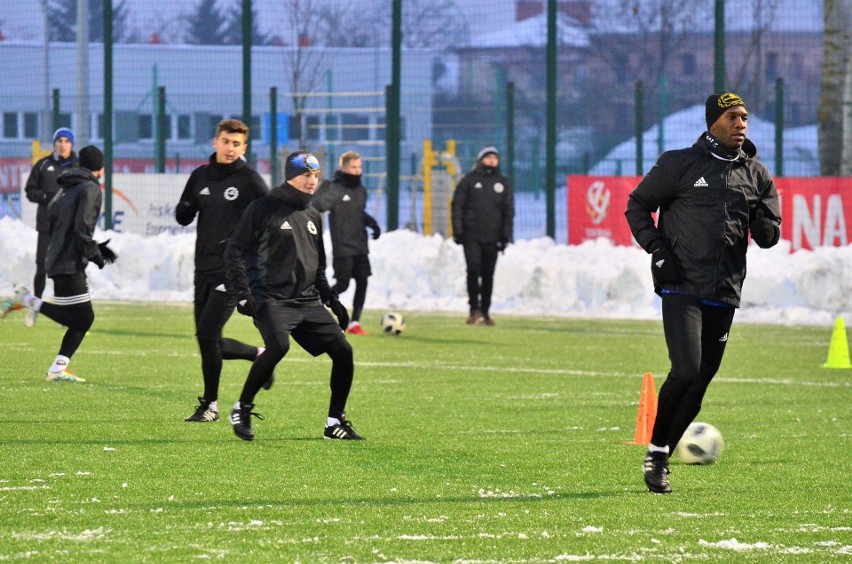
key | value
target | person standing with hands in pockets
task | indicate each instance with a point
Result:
(483, 214)
(710, 197)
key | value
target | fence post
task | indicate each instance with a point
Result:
(274, 175)
(510, 131)
(160, 154)
(106, 134)
(779, 127)
(640, 126)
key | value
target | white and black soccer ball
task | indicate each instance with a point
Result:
(393, 323)
(702, 443)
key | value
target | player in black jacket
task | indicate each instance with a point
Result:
(40, 189)
(346, 200)
(483, 214)
(276, 264)
(218, 193)
(73, 215)
(710, 197)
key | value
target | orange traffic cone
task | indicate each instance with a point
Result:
(838, 350)
(647, 411)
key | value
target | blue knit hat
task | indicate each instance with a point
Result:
(63, 132)
(299, 163)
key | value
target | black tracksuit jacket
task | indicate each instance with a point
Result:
(42, 184)
(218, 194)
(705, 208)
(276, 251)
(346, 200)
(483, 207)
(73, 217)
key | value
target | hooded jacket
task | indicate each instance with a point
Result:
(706, 205)
(73, 217)
(219, 194)
(42, 184)
(483, 206)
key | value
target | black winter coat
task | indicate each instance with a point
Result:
(219, 194)
(42, 184)
(277, 251)
(346, 201)
(483, 207)
(73, 217)
(706, 205)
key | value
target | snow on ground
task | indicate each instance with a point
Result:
(534, 277)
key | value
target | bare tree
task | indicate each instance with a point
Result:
(835, 108)
(305, 62)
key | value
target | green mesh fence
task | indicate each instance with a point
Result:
(471, 72)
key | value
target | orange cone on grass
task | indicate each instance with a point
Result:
(647, 411)
(838, 350)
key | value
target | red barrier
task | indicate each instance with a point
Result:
(816, 211)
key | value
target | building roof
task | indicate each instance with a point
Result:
(532, 32)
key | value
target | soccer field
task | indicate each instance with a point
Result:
(483, 445)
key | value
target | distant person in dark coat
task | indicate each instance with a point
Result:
(40, 189)
(346, 199)
(483, 214)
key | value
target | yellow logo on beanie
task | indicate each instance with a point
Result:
(729, 99)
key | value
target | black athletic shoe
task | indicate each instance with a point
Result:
(241, 421)
(343, 431)
(656, 468)
(203, 413)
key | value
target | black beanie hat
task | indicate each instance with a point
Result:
(718, 104)
(90, 157)
(298, 163)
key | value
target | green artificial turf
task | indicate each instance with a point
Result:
(484, 444)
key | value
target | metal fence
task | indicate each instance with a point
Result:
(319, 70)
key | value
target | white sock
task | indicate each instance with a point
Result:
(32, 302)
(354, 324)
(237, 405)
(331, 421)
(60, 363)
(214, 405)
(259, 352)
(655, 448)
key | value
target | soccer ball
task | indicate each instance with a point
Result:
(393, 323)
(702, 443)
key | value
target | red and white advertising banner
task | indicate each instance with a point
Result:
(815, 211)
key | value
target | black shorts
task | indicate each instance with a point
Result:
(357, 267)
(311, 325)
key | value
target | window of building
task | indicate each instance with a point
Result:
(771, 66)
(184, 126)
(356, 127)
(687, 62)
(146, 126)
(10, 125)
(313, 125)
(30, 125)
(64, 120)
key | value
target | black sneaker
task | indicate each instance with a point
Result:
(343, 431)
(656, 468)
(241, 421)
(203, 413)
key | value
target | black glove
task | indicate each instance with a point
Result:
(108, 254)
(246, 305)
(374, 225)
(664, 266)
(339, 311)
(457, 239)
(501, 246)
(763, 230)
(98, 260)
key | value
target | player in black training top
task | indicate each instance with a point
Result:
(276, 263)
(218, 193)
